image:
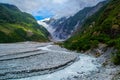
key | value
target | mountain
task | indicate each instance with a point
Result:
(102, 27)
(65, 26)
(51, 26)
(18, 26)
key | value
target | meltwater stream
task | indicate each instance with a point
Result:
(83, 68)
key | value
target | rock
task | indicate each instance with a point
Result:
(80, 72)
(116, 27)
(75, 77)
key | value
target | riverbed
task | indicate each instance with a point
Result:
(46, 61)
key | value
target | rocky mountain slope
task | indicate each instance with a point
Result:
(18, 26)
(64, 27)
(101, 28)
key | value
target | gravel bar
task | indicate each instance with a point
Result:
(26, 59)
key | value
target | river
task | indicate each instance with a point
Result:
(46, 61)
(85, 66)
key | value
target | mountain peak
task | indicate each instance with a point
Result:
(9, 6)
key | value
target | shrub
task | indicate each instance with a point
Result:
(116, 58)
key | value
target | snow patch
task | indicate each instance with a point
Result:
(48, 27)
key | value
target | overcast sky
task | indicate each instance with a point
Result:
(48, 8)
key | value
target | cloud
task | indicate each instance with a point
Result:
(56, 8)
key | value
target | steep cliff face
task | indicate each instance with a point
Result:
(64, 27)
(18, 26)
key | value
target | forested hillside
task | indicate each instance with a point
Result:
(18, 26)
(102, 27)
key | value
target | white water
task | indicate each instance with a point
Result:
(82, 67)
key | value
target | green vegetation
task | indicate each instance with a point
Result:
(17, 26)
(102, 27)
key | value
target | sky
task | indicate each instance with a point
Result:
(41, 9)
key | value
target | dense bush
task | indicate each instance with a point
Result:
(116, 58)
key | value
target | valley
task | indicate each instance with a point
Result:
(47, 43)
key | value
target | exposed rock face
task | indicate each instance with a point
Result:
(64, 27)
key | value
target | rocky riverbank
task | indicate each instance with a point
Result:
(108, 71)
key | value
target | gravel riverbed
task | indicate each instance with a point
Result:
(45, 61)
